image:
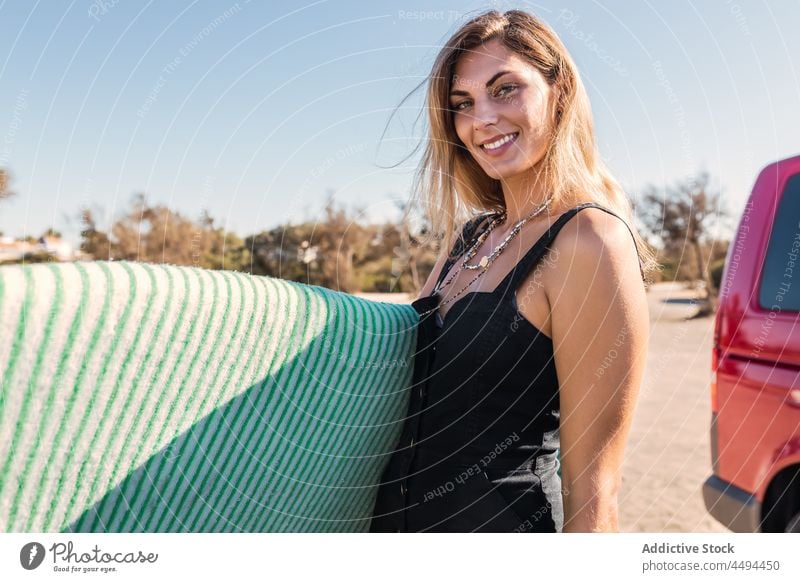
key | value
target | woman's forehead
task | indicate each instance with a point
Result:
(478, 65)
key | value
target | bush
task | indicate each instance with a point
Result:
(715, 270)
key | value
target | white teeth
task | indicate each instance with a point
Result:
(496, 144)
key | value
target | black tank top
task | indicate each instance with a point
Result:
(479, 448)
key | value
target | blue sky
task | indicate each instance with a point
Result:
(256, 111)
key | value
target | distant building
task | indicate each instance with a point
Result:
(14, 251)
(58, 247)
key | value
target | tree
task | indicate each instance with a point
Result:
(416, 252)
(94, 242)
(279, 252)
(681, 217)
(339, 251)
(155, 234)
(5, 184)
(222, 249)
(340, 240)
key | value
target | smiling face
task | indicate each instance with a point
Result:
(502, 110)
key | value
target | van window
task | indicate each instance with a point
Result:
(780, 279)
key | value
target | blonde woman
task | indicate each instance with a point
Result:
(533, 328)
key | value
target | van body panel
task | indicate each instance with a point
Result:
(756, 398)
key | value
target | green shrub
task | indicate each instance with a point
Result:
(715, 270)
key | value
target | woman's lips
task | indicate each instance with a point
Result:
(509, 140)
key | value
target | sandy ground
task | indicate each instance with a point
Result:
(668, 455)
(667, 458)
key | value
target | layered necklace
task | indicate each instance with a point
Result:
(485, 262)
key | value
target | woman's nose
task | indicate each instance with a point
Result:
(483, 114)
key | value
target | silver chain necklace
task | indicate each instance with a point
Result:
(486, 260)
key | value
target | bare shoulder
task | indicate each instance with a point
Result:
(596, 231)
(594, 250)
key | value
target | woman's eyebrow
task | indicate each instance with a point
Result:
(497, 75)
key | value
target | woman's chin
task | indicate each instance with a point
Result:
(500, 173)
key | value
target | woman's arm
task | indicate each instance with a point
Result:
(600, 328)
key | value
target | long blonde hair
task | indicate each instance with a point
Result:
(454, 186)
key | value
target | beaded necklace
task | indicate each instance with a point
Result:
(486, 261)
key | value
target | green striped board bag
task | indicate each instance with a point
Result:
(156, 398)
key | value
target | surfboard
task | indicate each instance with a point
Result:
(157, 398)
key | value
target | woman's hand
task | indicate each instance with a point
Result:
(600, 328)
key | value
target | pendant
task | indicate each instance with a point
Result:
(484, 262)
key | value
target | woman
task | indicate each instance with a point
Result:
(532, 333)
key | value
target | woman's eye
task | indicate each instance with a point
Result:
(504, 90)
(460, 106)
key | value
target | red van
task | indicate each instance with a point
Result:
(755, 388)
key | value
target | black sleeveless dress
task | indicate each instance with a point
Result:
(479, 449)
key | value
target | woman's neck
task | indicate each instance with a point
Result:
(523, 194)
